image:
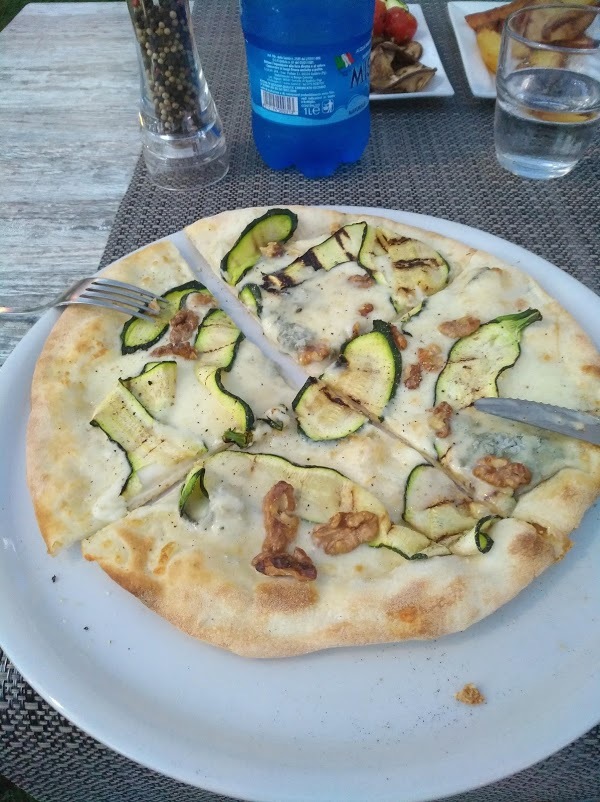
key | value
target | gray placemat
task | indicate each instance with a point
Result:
(428, 156)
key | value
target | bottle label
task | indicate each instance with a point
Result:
(308, 89)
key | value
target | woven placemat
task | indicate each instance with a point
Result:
(428, 156)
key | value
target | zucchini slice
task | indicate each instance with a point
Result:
(434, 505)
(192, 496)
(415, 266)
(320, 492)
(322, 416)
(217, 340)
(340, 248)
(476, 540)
(412, 545)
(277, 225)
(251, 297)
(145, 442)
(241, 417)
(475, 361)
(155, 386)
(138, 334)
(368, 369)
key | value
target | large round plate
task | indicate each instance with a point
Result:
(377, 723)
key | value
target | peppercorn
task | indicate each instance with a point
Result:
(169, 64)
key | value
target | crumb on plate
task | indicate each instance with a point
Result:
(470, 695)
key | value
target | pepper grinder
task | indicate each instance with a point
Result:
(182, 137)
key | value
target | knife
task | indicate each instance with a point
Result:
(580, 425)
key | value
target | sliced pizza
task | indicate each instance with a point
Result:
(296, 545)
(315, 277)
(494, 332)
(120, 411)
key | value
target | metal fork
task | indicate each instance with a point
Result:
(104, 292)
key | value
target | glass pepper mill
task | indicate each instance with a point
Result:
(183, 142)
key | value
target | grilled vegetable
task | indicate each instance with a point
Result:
(415, 266)
(217, 340)
(240, 415)
(277, 225)
(476, 540)
(342, 247)
(368, 369)
(322, 416)
(251, 297)
(139, 334)
(434, 505)
(412, 545)
(476, 361)
(192, 497)
(320, 492)
(144, 441)
(155, 386)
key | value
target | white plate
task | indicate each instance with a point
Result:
(481, 80)
(439, 86)
(376, 723)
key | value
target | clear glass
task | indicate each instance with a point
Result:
(183, 142)
(548, 89)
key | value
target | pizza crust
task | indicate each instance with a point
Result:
(256, 616)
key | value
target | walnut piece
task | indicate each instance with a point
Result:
(183, 324)
(313, 353)
(366, 309)
(470, 695)
(413, 378)
(281, 525)
(345, 531)
(355, 330)
(461, 327)
(439, 420)
(363, 281)
(399, 337)
(272, 249)
(501, 472)
(297, 565)
(430, 358)
(184, 350)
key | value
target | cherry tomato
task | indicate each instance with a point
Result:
(400, 25)
(379, 19)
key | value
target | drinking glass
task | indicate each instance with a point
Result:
(548, 89)
(182, 137)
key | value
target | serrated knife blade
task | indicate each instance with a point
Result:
(580, 425)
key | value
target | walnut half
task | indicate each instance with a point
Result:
(315, 352)
(297, 565)
(345, 531)
(501, 472)
(281, 525)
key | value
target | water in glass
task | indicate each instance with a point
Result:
(545, 120)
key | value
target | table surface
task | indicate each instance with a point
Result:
(68, 130)
(68, 145)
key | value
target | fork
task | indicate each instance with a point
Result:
(104, 292)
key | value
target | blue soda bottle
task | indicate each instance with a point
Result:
(308, 66)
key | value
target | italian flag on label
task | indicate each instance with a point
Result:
(343, 61)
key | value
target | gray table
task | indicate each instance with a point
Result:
(68, 155)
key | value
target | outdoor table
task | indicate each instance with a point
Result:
(74, 196)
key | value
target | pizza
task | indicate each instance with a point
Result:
(287, 458)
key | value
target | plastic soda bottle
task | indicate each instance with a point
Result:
(308, 67)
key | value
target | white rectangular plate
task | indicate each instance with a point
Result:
(481, 81)
(439, 86)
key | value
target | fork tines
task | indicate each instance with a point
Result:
(122, 297)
